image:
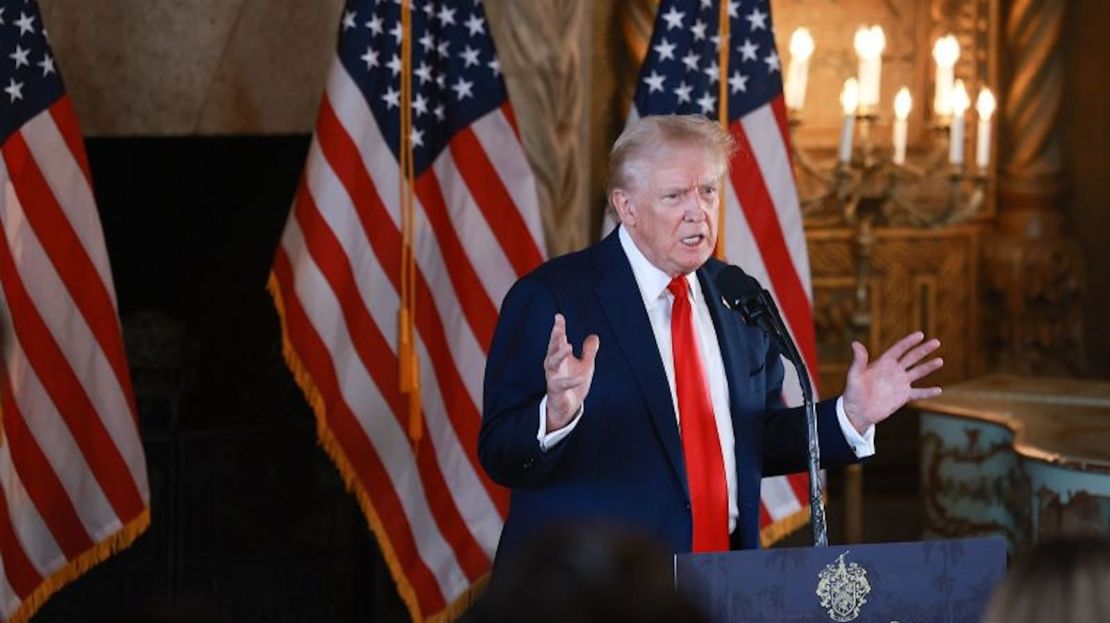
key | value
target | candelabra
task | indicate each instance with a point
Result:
(870, 183)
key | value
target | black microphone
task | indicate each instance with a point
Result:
(741, 292)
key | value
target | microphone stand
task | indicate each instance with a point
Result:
(816, 505)
(759, 310)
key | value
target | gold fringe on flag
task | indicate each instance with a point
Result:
(335, 451)
(84, 561)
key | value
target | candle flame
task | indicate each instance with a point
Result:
(960, 100)
(985, 104)
(903, 102)
(849, 96)
(946, 51)
(801, 44)
(869, 42)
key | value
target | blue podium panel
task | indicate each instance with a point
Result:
(934, 581)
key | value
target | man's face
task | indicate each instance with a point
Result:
(671, 210)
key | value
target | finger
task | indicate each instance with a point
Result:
(859, 359)
(918, 353)
(558, 335)
(901, 346)
(554, 360)
(925, 369)
(921, 393)
(589, 350)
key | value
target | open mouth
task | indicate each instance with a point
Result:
(693, 241)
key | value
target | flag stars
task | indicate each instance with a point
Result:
(462, 88)
(713, 72)
(475, 25)
(394, 64)
(495, 66)
(673, 18)
(392, 98)
(737, 83)
(424, 72)
(398, 32)
(748, 51)
(375, 25)
(24, 23)
(664, 49)
(428, 41)
(47, 65)
(708, 103)
(691, 61)
(654, 82)
(420, 105)
(20, 56)
(440, 112)
(348, 20)
(699, 30)
(371, 58)
(441, 49)
(682, 92)
(733, 9)
(446, 16)
(417, 137)
(757, 19)
(772, 61)
(470, 56)
(14, 90)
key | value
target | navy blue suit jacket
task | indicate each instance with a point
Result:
(623, 463)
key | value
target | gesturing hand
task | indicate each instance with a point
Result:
(568, 378)
(875, 391)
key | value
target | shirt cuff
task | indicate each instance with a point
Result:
(549, 440)
(863, 445)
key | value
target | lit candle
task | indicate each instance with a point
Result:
(985, 106)
(960, 103)
(945, 52)
(869, 44)
(801, 48)
(849, 100)
(902, 104)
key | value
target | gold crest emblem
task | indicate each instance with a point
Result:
(843, 589)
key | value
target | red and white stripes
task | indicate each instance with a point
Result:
(336, 280)
(72, 467)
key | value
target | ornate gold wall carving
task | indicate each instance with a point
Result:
(919, 279)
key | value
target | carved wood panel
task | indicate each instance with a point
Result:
(920, 279)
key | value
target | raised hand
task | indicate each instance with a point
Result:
(876, 390)
(568, 378)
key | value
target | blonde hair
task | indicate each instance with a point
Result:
(649, 136)
(1065, 580)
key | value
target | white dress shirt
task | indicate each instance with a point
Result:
(658, 302)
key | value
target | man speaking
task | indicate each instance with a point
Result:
(671, 412)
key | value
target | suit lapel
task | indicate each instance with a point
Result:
(619, 297)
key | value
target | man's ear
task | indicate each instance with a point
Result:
(621, 203)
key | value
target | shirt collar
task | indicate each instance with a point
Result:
(650, 279)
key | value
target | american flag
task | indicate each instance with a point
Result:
(337, 282)
(72, 468)
(762, 227)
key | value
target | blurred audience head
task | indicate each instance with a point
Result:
(584, 574)
(1066, 580)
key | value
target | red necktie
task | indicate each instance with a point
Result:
(705, 469)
